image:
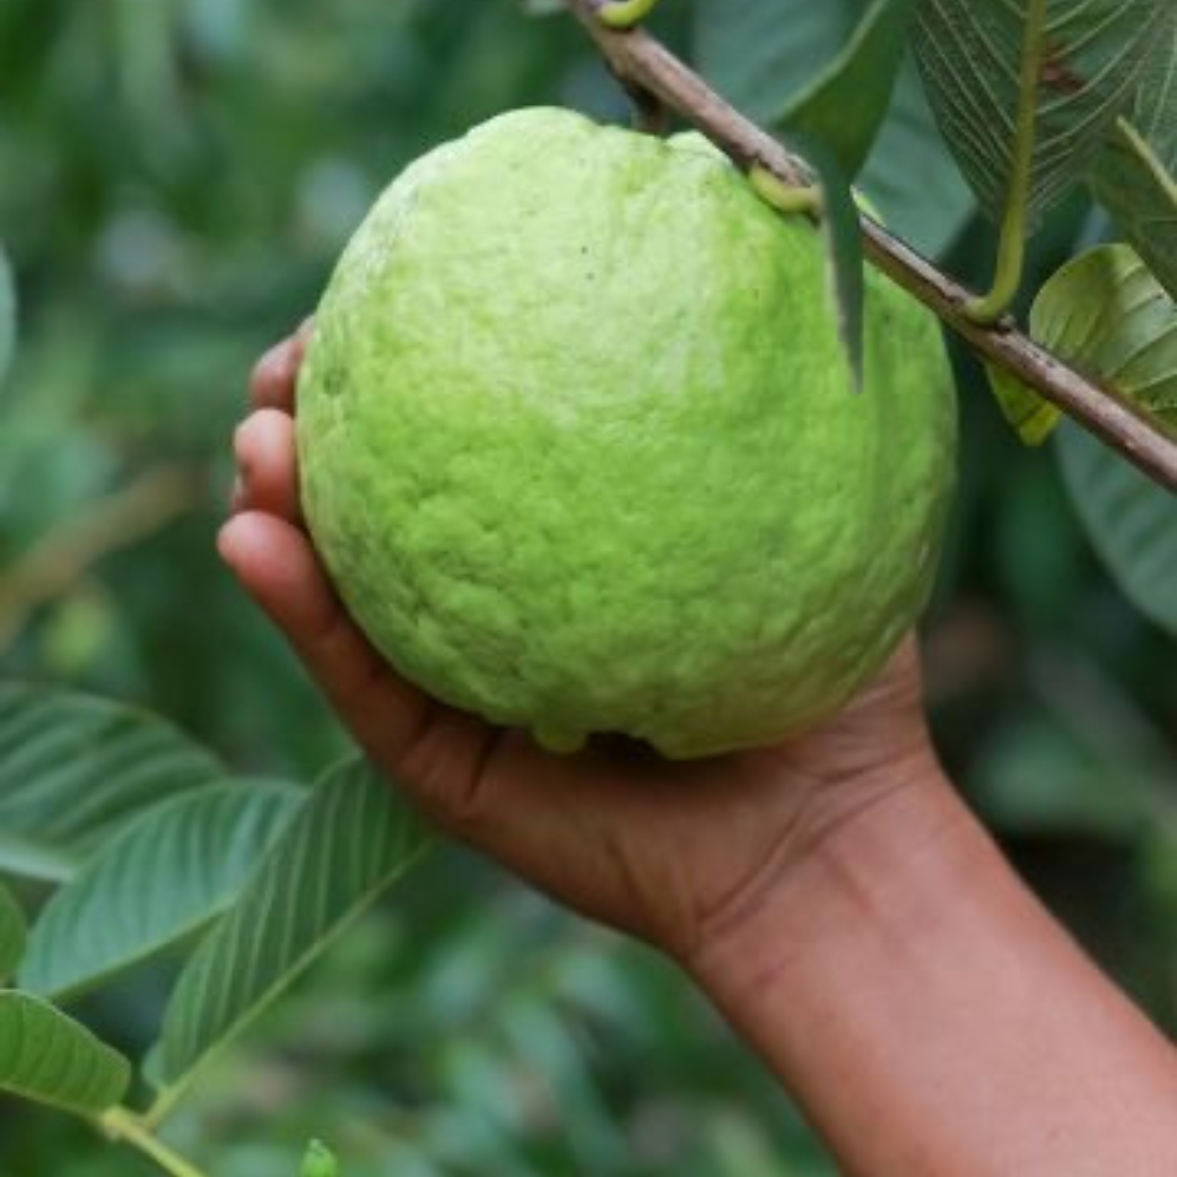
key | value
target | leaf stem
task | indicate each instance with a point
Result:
(1011, 250)
(120, 1123)
(165, 1101)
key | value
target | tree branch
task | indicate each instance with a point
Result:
(62, 557)
(641, 61)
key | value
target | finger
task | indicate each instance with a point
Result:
(267, 465)
(393, 720)
(271, 385)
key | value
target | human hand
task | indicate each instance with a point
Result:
(831, 894)
(677, 853)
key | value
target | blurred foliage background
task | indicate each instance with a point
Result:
(176, 178)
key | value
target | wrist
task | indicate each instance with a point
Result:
(912, 995)
(862, 854)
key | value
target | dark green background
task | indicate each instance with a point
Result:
(176, 178)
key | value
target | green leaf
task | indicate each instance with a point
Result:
(833, 124)
(1036, 776)
(169, 872)
(1135, 174)
(354, 837)
(1130, 520)
(910, 176)
(1032, 417)
(844, 262)
(74, 768)
(845, 107)
(1090, 60)
(48, 1057)
(33, 860)
(1105, 314)
(761, 53)
(319, 1161)
(7, 316)
(1079, 755)
(12, 933)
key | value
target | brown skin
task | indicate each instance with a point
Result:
(830, 893)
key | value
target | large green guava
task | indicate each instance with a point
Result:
(581, 451)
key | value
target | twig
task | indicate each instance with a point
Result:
(62, 557)
(649, 114)
(642, 61)
(120, 1124)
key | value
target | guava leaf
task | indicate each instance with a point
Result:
(844, 107)
(1048, 767)
(174, 868)
(74, 768)
(1130, 520)
(1135, 173)
(319, 1161)
(1039, 776)
(1032, 417)
(844, 261)
(833, 124)
(763, 53)
(12, 934)
(33, 859)
(47, 1057)
(7, 316)
(352, 839)
(910, 176)
(1090, 60)
(1105, 314)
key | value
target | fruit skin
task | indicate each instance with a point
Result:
(580, 450)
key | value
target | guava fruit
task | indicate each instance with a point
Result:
(581, 451)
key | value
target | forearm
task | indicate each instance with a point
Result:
(933, 1019)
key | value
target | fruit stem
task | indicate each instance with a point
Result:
(1011, 250)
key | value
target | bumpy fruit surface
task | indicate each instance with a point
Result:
(580, 449)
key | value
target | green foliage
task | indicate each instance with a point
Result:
(12, 934)
(48, 1057)
(180, 864)
(351, 841)
(1135, 174)
(75, 768)
(844, 107)
(1088, 61)
(1107, 314)
(319, 1161)
(1032, 418)
(1130, 521)
(7, 316)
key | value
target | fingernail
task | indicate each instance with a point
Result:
(237, 495)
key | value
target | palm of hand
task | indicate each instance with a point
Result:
(672, 852)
